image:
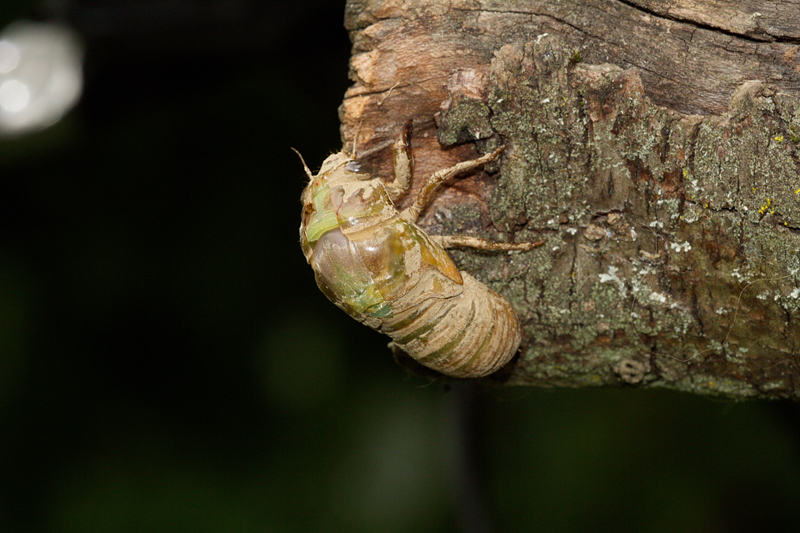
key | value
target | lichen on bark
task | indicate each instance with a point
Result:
(672, 254)
(656, 222)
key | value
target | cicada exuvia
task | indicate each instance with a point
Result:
(376, 264)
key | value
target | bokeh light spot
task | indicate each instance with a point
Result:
(14, 96)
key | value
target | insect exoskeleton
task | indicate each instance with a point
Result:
(376, 264)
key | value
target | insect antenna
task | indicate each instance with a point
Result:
(305, 167)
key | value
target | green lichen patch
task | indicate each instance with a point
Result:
(746, 162)
(670, 238)
(466, 119)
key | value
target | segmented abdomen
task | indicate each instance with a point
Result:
(469, 335)
(395, 279)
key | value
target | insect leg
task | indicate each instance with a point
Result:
(463, 241)
(403, 166)
(412, 212)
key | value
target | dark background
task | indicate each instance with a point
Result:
(168, 364)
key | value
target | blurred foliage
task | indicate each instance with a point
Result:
(167, 363)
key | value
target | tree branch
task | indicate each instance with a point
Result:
(657, 153)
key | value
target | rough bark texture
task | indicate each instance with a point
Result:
(654, 144)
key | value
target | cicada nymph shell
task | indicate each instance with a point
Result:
(376, 264)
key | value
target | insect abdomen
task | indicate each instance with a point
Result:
(469, 335)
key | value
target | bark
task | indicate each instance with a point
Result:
(653, 144)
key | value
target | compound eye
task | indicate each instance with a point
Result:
(362, 168)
